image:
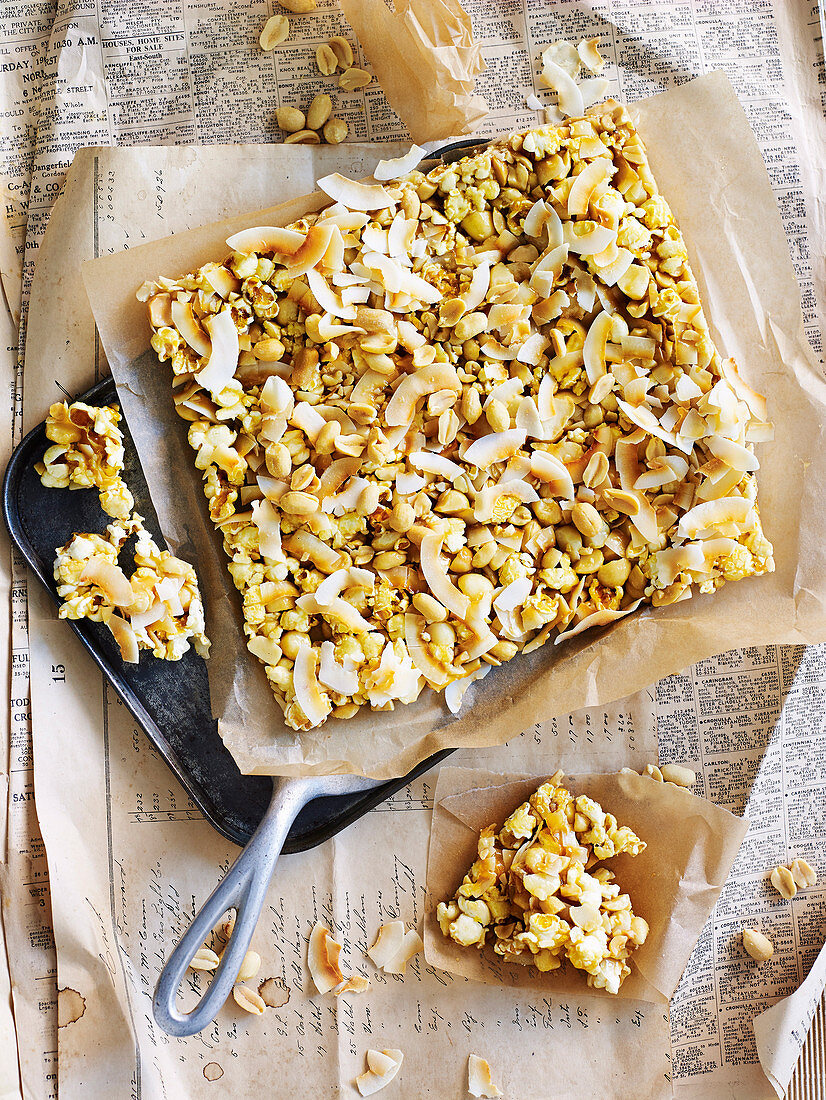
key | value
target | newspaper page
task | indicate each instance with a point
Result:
(152, 74)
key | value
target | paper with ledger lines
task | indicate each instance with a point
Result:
(185, 74)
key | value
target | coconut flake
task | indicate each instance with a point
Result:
(402, 405)
(140, 620)
(478, 288)
(435, 575)
(733, 454)
(184, 321)
(266, 238)
(485, 504)
(419, 653)
(755, 401)
(110, 579)
(513, 595)
(407, 483)
(356, 984)
(354, 195)
(314, 705)
(312, 250)
(533, 102)
(220, 368)
(386, 1061)
(341, 579)
(495, 447)
(591, 181)
(554, 473)
(596, 240)
(432, 463)
(589, 55)
(395, 167)
(612, 272)
(411, 945)
(528, 418)
(336, 610)
(596, 618)
(323, 951)
(592, 90)
(346, 500)
(342, 679)
(593, 350)
(124, 635)
(479, 1081)
(388, 943)
(718, 515)
(327, 298)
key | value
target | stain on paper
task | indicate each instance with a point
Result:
(70, 1007)
(274, 993)
(212, 1071)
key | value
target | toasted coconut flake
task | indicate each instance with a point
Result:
(528, 418)
(354, 195)
(266, 238)
(110, 579)
(590, 182)
(323, 951)
(308, 419)
(589, 55)
(564, 54)
(223, 357)
(513, 595)
(591, 243)
(733, 454)
(456, 689)
(342, 679)
(432, 463)
(596, 618)
(312, 250)
(485, 504)
(356, 984)
(569, 97)
(336, 610)
(268, 522)
(644, 418)
(627, 463)
(388, 1062)
(335, 476)
(479, 286)
(479, 1081)
(432, 671)
(611, 272)
(411, 945)
(341, 579)
(184, 321)
(435, 575)
(316, 706)
(547, 269)
(533, 102)
(124, 635)
(496, 447)
(140, 620)
(593, 350)
(327, 298)
(388, 943)
(413, 387)
(645, 518)
(592, 90)
(395, 167)
(718, 515)
(550, 469)
(691, 557)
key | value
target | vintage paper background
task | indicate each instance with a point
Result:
(749, 721)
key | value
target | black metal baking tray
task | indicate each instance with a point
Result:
(169, 699)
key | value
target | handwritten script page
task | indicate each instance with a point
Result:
(749, 721)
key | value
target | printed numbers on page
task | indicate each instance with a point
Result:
(58, 674)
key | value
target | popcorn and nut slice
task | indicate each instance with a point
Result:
(158, 608)
(757, 945)
(453, 416)
(537, 895)
(382, 1067)
(479, 1081)
(87, 453)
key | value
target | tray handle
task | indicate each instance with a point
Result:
(244, 887)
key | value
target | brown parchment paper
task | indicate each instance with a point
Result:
(425, 59)
(708, 166)
(673, 883)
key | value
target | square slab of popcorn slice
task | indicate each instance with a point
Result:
(449, 418)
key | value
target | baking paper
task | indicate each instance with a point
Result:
(673, 883)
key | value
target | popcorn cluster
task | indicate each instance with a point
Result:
(445, 420)
(158, 608)
(87, 453)
(536, 893)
